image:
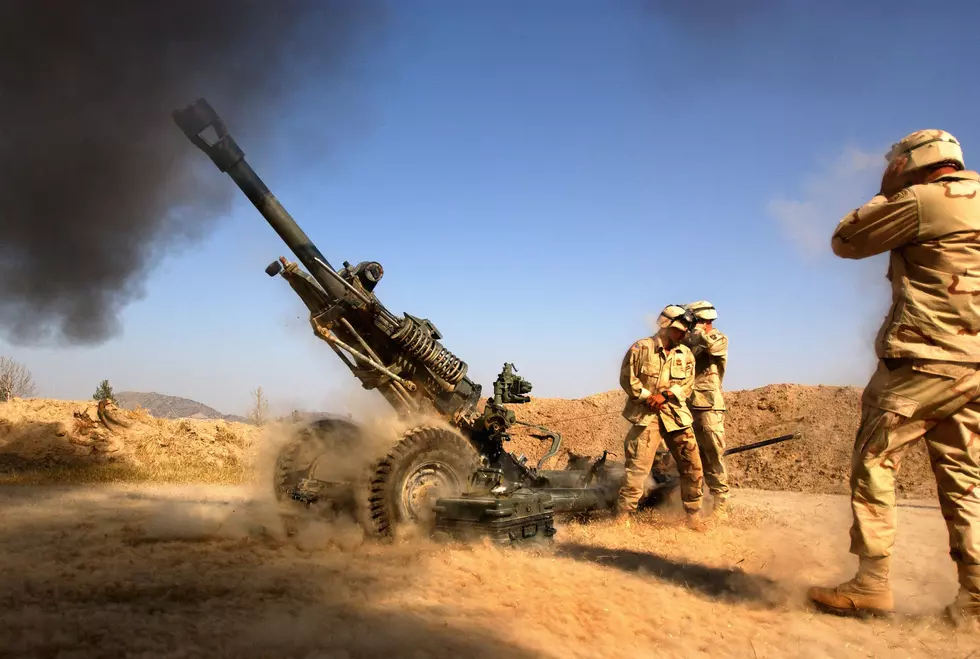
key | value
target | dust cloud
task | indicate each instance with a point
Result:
(98, 183)
(180, 572)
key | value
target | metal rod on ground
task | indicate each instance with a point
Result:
(765, 442)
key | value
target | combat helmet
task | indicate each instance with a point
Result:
(927, 148)
(675, 315)
(703, 310)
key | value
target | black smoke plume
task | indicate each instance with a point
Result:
(96, 181)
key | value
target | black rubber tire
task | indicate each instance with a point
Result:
(297, 457)
(297, 460)
(419, 448)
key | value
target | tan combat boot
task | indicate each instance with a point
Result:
(623, 518)
(695, 521)
(867, 594)
(720, 509)
(964, 612)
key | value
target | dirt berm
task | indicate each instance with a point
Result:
(42, 440)
(39, 437)
(819, 462)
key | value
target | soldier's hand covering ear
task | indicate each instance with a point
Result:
(893, 180)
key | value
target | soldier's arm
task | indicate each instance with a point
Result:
(718, 349)
(680, 392)
(627, 375)
(717, 343)
(880, 225)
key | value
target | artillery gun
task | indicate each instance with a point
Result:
(402, 359)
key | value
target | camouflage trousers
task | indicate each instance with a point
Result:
(640, 448)
(906, 401)
(709, 430)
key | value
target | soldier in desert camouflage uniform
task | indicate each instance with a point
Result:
(657, 374)
(710, 349)
(927, 385)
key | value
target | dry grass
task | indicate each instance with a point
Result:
(64, 442)
(123, 472)
(141, 414)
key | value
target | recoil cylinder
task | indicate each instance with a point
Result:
(419, 343)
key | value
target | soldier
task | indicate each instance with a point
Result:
(710, 348)
(927, 385)
(657, 374)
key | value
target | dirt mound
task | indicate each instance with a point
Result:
(40, 437)
(818, 462)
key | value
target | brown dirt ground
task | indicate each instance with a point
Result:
(204, 571)
(819, 462)
(112, 570)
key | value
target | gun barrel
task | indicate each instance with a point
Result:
(765, 442)
(205, 129)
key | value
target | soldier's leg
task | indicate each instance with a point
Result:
(661, 463)
(639, 447)
(710, 433)
(954, 451)
(684, 447)
(883, 439)
(900, 406)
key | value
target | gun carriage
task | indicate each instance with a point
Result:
(403, 359)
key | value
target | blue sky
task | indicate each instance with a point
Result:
(540, 179)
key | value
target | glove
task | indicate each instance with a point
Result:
(656, 401)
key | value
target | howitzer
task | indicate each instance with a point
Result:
(401, 358)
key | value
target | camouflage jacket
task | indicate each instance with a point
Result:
(650, 368)
(933, 233)
(710, 351)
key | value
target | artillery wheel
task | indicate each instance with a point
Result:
(300, 457)
(425, 465)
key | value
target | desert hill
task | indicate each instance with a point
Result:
(38, 434)
(163, 406)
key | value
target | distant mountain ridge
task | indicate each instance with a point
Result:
(163, 406)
